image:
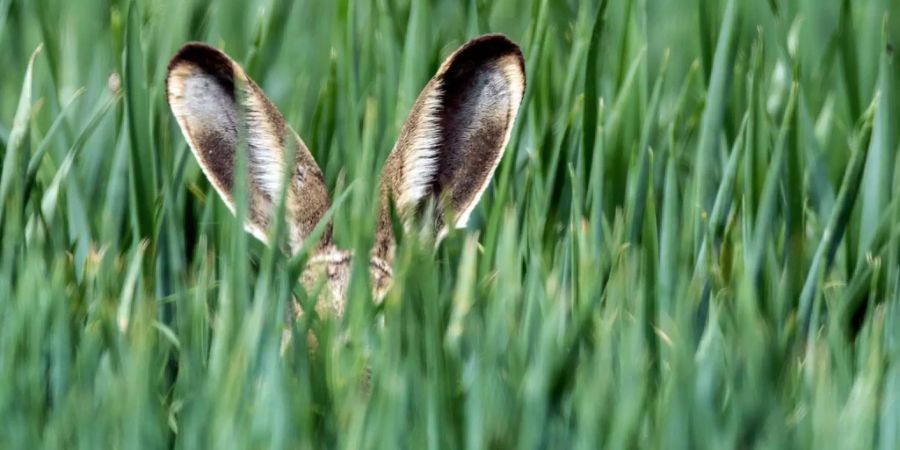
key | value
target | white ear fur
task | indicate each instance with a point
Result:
(421, 163)
(266, 163)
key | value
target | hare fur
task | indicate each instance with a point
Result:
(446, 153)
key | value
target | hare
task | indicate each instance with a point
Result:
(446, 153)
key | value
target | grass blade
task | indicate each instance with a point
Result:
(13, 158)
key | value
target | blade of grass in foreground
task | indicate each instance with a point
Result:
(141, 166)
(840, 216)
(866, 274)
(722, 203)
(765, 217)
(875, 193)
(591, 92)
(849, 61)
(636, 200)
(38, 155)
(12, 160)
(49, 203)
(711, 124)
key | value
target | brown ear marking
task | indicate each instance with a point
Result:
(211, 148)
(455, 135)
(200, 89)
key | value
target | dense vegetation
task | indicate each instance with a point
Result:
(693, 240)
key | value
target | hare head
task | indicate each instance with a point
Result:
(445, 156)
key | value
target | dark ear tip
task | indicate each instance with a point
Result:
(205, 58)
(199, 54)
(488, 47)
(496, 43)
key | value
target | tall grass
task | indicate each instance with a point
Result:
(693, 240)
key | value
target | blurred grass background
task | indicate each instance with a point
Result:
(692, 241)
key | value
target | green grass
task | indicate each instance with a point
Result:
(693, 240)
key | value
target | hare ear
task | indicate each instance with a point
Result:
(455, 135)
(200, 89)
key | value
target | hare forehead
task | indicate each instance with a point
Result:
(337, 259)
(335, 266)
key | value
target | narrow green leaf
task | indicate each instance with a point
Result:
(13, 158)
(51, 195)
(591, 92)
(141, 168)
(706, 159)
(840, 217)
(765, 217)
(35, 161)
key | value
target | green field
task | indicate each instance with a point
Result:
(692, 241)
